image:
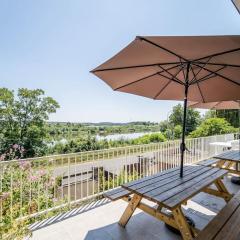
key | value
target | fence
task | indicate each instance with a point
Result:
(30, 187)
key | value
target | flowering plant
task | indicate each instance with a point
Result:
(26, 188)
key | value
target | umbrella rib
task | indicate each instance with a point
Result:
(208, 76)
(141, 79)
(217, 64)
(218, 54)
(184, 75)
(174, 80)
(155, 97)
(174, 77)
(220, 75)
(197, 83)
(134, 66)
(195, 75)
(163, 48)
(170, 80)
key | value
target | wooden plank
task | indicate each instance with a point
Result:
(156, 212)
(182, 224)
(157, 182)
(157, 179)
(214, 227)
(222, 189)
(194, 189)
(189, 182)
(231, 230)
(161, 187)
(114, 191)
(178, 185)
(208, 162)
(119, 195)
(116, 194)
(216, 193)
(233, 155)
(160, 174)
(132, 205)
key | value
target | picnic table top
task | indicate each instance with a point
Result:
(169, 190)
(232, 155)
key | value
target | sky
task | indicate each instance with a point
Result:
(53, 44)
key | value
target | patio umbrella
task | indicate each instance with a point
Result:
(196, 68)
(221, 105)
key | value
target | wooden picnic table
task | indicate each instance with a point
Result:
(170, 192)
(228, 160)
(225, 225)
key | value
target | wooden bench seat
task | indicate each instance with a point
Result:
(116, 194)
(208, 162)
(225, 226)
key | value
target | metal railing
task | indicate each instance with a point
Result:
(30, 187)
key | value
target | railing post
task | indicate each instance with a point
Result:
(202, 148)
(69, 197)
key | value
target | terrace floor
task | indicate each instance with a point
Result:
(98, 221)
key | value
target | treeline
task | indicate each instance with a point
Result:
(24, 127)
(89, 143)
(70, 130)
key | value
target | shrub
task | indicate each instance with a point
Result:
(150, 138)
(212, 126)
(25, 189)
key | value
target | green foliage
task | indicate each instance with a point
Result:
(150, 138)
(22, 119)
(164, 125)
(85, 143)
(76, 130)
(232, 116)
(212, 126)
(88, 143)
(177, 132)
(25, 190)
(193, 118)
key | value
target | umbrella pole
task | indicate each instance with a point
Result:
(183, 145)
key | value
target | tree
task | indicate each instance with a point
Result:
(231, 115)
(209, 114)
(192, 121)
(177, 132)
(163, 126)
(23, 119)
(212, 126)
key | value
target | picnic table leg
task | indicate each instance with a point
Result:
(221, 188)
(182, 224)
(229, 165)
(220, 163)
(132, 205)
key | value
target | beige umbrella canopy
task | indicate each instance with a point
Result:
(216, 105)
(196, 68)
(156, 67)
